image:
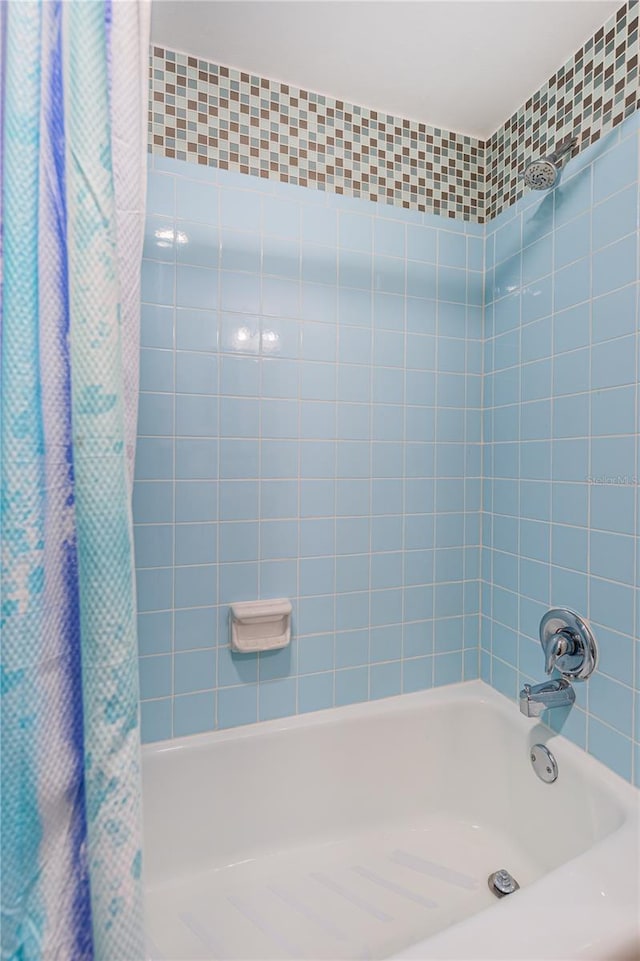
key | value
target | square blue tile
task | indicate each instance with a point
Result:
(196, 586)
(351, 686)
(610, 747)
(616, 169)
(239, 417)
(240, 209)
(239, 250)
(417, 674)
(161, 191)
(154, 589)
(195, 628)
(153, 545)
(238, 582)
(239, 334)
(280, 217)
(237, 705)
(615, 266)
(155, 676)
(386, 679)
(196, 416)
(317, 381)
(197, 244)
(315, 653)
(319, 264)
(317, 537)
(156, 370)
(355, 231)
(239, 458)
(154, 458)
(156, 326)
(155, 414)
(315, 692)
(196, 373)
(196, 287)
(239, 292)
(195, 544)
(194, 713)
(194, 671)
(238, 541)
(315, 615)
(278, 578)
(319, 225)
(355, 306)
(154, 633)
(156, 720)
(422, 243)
(240, 376)
(615, 217)
(280, 297)
(196, 201)
(277, 699)
(452, 249)
(196, 459)
(196, 329)
(319, 302)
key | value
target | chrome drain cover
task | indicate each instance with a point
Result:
(501, 883)
(544, 763)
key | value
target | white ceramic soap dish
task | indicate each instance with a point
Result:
(260, 625)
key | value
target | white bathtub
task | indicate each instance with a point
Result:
(370, 831)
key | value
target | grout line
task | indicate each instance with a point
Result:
(174, 464)
(219, 371)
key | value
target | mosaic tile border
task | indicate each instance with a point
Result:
(592, 93)
(214, 115)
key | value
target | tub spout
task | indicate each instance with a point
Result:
(540, 697)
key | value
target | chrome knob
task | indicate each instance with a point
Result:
(568, 644)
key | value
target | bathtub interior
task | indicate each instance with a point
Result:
(352, 836)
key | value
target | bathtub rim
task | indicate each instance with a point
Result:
(464, 692)
(607, 924)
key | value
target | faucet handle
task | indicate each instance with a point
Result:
(556, 646)
(568, 644)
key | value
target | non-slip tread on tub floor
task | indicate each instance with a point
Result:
(365, 897)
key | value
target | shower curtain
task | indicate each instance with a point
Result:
(73, 147)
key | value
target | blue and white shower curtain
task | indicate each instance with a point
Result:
(73, 101)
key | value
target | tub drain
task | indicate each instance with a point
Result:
(501, 883)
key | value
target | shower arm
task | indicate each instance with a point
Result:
(562, 149)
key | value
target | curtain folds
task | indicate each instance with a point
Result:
(73, 153)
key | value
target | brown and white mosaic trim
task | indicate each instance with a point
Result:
(213, 115)
(592, 93)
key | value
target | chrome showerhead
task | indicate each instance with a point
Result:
(540, 174)
(543, 174)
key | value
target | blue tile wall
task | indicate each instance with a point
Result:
(398, 421)
(310, 427)
(561, 496)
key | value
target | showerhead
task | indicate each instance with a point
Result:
(543, 174)
(540, 174)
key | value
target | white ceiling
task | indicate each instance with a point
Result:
(464, 65)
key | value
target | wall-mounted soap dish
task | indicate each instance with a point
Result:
(260, 625)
